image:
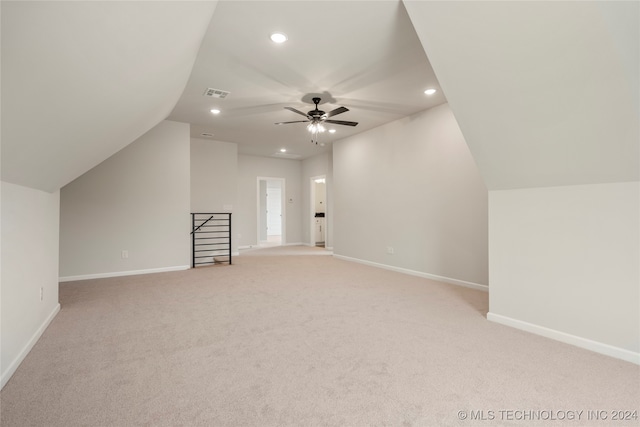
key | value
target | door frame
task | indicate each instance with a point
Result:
(283, 205)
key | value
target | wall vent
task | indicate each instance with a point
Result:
(216, 93)
(207, 134)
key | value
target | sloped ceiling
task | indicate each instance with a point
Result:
(81, 80)
(546, 93)
(363, 55)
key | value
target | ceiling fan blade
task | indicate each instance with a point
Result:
(341, 122)
(297, 121)
(296, 111)
(338, 110)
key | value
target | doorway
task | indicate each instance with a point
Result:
(271, 211)
(318, 209)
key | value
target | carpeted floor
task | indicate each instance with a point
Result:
(286, 250)
(301, 341)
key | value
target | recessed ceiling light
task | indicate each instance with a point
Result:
(215, 111)
(332, 131)
(283, 150)
(278, 38)
(430, 91)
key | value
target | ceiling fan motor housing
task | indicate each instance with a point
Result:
(317, 114)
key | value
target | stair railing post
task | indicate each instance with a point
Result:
(230, 238)
(193, 240)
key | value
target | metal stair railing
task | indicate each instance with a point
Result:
(210, 238)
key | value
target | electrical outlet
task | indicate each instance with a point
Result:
(390, 250)
(125, 254)
(41, 293)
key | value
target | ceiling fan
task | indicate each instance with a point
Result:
(317, 117)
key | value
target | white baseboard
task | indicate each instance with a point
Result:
(598, 347)
(417, 273)
(123, 273)
(11, 369)
(313, 245)
(271, 246)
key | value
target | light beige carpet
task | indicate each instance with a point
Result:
(286, 250)
(299, 341)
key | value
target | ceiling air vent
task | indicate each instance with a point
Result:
(209, 135)
(216, 93)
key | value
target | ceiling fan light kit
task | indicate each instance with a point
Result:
(315, 127)
(317, 117)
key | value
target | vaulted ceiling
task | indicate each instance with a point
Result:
(363, 55)
(81, 80)
(546, 93)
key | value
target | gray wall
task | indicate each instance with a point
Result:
(214, 178)
(249, 169)
(30, 221)
(574, 251)
(412, 185)
(137, 200)
(214, 173)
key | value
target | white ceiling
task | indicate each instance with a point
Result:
(363, 55)
(83, 79)
(545, 93)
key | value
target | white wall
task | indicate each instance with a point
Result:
(249, 169)
(30, 220)
(214, 174)
(214, 178)
(137, 200)
(412, 185)
(551, 102)
(322, 164)
(567, 259)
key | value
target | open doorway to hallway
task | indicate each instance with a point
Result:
(318, 231)
(271, 211)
